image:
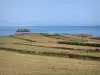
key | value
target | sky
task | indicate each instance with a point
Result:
(49, 12)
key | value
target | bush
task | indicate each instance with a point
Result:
(77, 43)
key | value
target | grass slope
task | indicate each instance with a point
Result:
(36, 37)
(9, 40)
(80, 38)
(7, 43)
(12, 63)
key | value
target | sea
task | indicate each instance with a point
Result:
(94, 30)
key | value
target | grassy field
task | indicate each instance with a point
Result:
(44, 37)
(7, 42)
(12, 63)
(66, 37)
(72, 38)
(80, 38)
(37, 37)
(10, 40)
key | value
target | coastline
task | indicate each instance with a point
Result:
(93, 30)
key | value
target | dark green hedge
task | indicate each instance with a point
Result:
(77, 43)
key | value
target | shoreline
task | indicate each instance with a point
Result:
(49, 33)
(94, 30)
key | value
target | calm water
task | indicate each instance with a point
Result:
(94, 30)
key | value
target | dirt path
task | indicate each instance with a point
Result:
(48, 44)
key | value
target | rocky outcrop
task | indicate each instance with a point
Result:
(22, 30)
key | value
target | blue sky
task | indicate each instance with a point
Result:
(50, 12)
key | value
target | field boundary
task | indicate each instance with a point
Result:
(85, 50)
(23, 39)
(60, 54)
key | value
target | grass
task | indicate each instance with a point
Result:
(96, 54)
(72, 38)
(36, 37)
(50, 50)
(9, 40)
(37, 48)
(12, 63)
(79, 38)
(80, 44)
(7, 43)
(66, 37)
(44, 37)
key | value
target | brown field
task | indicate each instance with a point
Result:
(48, 44)
(12, 63)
